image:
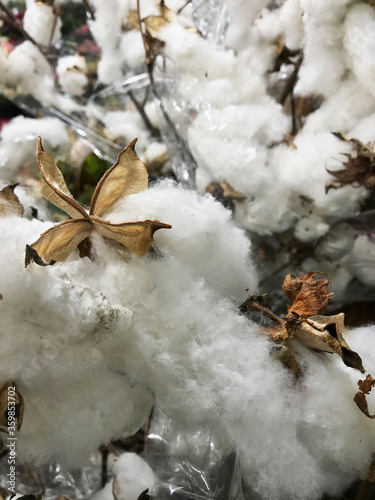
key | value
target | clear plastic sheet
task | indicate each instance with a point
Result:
(211, 18)
(191, 464)
(55, 480)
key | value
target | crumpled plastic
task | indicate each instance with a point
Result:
(191, 464)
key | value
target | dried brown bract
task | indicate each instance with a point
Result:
(358, 169)
(127, 176)
(365, 387)
(225, 193)
(9, 202)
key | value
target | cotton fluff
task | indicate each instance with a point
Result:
(17, 143)
(168, 325)
(359, 42)
(133, 476)
(41, 23)
(71, 71)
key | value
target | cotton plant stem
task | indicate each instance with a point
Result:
(251, 305)
(140, 108)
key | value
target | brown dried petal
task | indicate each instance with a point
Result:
(361, 402)
(309, 296)
(9, 202)
(54, 187)
(116, 492)
(324, 333)
(366, 385)
(135, 236)
(153, 24)
(57, 243)
(127, 176)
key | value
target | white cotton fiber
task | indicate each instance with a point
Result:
(133, 476)
(71, 71)
(41, 23)
(168, 325)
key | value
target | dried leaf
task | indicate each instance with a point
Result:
(9, 202)
(225, 193)
(57, 243)
(127, 176)
(358, 169)
(54, 187)
(144, 495)
(361, 402)
(324, 333)
(366, 385)
(309, 296)
(9, 393)
(288, 358)
(136, 236)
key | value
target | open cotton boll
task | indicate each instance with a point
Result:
(202, 237)
(51, 331)
(127, 125)
(72, 74)
(194, 55)
(132, 49)
(41, 23)
(292, 24)
(133, 476)
(359, 43)
(361, 260)
(23, 131)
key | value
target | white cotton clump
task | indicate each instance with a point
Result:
(292, 24)
(242, 14)
(361, 260)
(90, 341)
(59, 369)
(197, 222)
(155, 150)
(133, 476)
(324, 61)
(194, 55)
(127, 125)
(132, 49)
(268, 24)
(18, 142)
(310, 229)
(41, 23)
(72, 74)
(359, 43)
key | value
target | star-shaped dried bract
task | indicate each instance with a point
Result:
(127, 176)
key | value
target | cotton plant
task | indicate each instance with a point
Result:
(103, 336)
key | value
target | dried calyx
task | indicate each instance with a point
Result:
(127, 176)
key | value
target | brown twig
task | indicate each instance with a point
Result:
(251, 305)
(290, 83)
(182, 8)
(153, 130)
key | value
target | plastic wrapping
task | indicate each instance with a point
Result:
(191, 464)
(211, 17)
(55, 480)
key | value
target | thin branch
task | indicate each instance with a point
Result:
(251, 305)
(290, 83)
(182, 8)
(154, 131)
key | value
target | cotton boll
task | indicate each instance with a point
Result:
(195, 55)
(243, 14)
(131, 49)
(41, 24)
(202, 243)
(292, 25)
(361, 260)
(308, 230)
(71, 72)
(127, 124)
(359, 43)
(133, 476)
(268, 24)
(343, 110)
(53, 328)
